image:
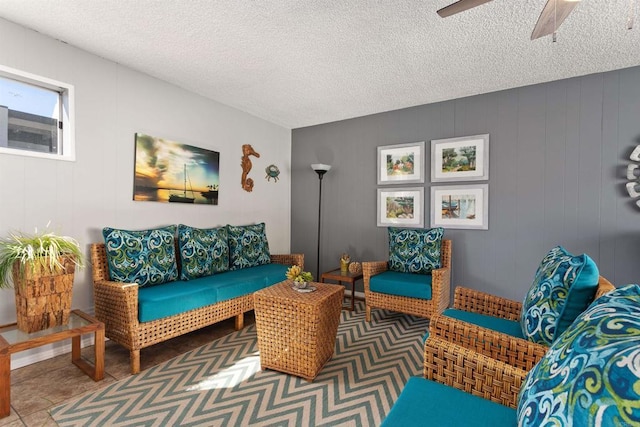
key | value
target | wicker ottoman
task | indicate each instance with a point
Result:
(297, 331)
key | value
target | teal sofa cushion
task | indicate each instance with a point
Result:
(235, 283)
(563, 287)
(146, 257)
(402, 284)
(203, 252)
(423, 402)
(169, 299)
(414, 250)
(248, 246)
(591, 374)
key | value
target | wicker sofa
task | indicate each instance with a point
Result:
(117, 305)
(440, 279)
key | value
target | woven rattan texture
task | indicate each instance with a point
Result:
(514, 351)
(116, 305)
(297, 331)
(440, 289)
(480, 302)
(517, 352)
(472, 372)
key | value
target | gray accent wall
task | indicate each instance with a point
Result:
(558, 157)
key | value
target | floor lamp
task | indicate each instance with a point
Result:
(320, 169)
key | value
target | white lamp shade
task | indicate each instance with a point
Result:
(320, 167)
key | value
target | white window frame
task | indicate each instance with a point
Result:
(67, 114)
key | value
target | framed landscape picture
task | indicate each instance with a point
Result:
(460, 159)
(402, 207)
(460, 206)
(171, 172)
(401, 163)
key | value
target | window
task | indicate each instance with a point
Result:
(36, 116)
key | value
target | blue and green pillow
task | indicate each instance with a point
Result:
(414, 250)
(146, 257)
(248, 246)
(591, 374)
(563, 287)
(203, 252)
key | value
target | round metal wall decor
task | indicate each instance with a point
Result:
(633, 175)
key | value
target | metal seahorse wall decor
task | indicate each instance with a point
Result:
(247, 150)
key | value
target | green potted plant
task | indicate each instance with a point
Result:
(40, 267)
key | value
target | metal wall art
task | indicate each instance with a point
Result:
(272, 172)
(247, 183)
(633, 175)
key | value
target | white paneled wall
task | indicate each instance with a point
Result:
(112, 104)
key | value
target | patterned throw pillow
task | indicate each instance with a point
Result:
(146, 257)
(591, 375)
(414, 250)
(248, 246)
(563, 287)
(203, 252)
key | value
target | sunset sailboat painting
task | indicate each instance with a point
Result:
(171, 172)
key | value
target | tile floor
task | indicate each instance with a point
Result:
(38, 387)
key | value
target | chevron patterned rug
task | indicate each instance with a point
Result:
(221, 384)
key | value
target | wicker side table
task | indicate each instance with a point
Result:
(297, 331)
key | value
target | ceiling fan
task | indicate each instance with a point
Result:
(552, 16)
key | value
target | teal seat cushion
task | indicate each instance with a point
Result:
(146, 257)
(203, 252)
(402, 284)
(248, 246)
(235, 283)
(169, 299)
(563, 287)
(509, 327)
(414, 250)
(423, 402)
(591, 374)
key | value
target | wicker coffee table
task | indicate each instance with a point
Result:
(297, 331)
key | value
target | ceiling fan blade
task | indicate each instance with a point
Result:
(552, 16)
(460, 6)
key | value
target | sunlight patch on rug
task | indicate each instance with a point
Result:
(232, 376)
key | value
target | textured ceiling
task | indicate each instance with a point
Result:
(299, 63)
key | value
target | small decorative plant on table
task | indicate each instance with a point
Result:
(41, 268)
(345, 259)
(300, 278)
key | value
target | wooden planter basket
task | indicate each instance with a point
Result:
(43, 297)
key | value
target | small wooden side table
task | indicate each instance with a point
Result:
(346, 277)
(12, 340)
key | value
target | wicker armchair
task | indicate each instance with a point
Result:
(440, 289)
(459, 387)
(474, 373)
(515, 351)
